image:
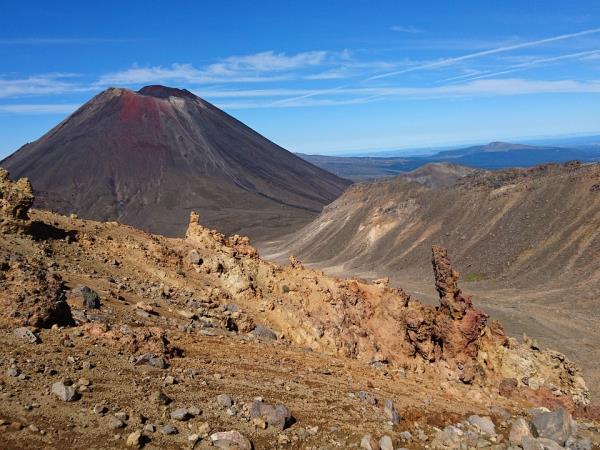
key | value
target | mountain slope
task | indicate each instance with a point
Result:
(529, 226)
(147, 158)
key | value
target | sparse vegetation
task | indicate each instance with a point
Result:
(474, 276)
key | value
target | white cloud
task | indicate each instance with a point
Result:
(48, 108)
(405, 29)
(45, 84)
(258, 67)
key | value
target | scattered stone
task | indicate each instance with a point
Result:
(390, 412)
(151, 360)
(149, 428)
(485, 424)
(368, 443)
(122, 415)
(100, 410)
(160, 398)
(579, 443)
(230, 439)
(134, 439)
(88, 297)
(65, 393)
(180, 414)
(406, 436)
(553, 425)
(519, 429)
(549, 444)
(168, 430)
(367, 397)
(385, 443)
(194, 411)
(12, 372)
(259, 422)
(531, 443)
(170, 380)
(193, 438)
(115, 424)
(224, 400)
(26, 334)
(203, 428)
(276, 416)
(262, 332)
(449, 437)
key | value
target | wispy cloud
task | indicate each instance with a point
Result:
(44, 84)
(405, 29)
(47, 108)
(258, 67)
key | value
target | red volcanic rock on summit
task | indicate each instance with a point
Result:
(148, 158)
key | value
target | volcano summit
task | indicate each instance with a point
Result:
(148, 158)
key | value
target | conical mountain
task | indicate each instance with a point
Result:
(147, 158)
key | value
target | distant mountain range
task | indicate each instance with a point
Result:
(495, 155)
(147, 158)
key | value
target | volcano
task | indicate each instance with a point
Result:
(148, 158)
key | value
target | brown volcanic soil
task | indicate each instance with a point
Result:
(148, 158)
(195, 302)
(527, 242)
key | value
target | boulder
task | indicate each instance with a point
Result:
(26, 334)
(520, 429)
(485, 424)
(367, 397)
(65, 393)
(230, 440)
(134, 439)
(276, 416)
(555, 425)
(390, 412)
(368, 443)
(87, 297)
(264, 333)
(224, 400)
(385, 443)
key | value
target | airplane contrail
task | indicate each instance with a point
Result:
(448, 61)
(493, 51)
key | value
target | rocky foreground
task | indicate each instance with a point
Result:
(113, 337)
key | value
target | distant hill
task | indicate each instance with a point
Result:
(495, 155)
(147, 158)
(438, 175)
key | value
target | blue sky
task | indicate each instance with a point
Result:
(315, 76)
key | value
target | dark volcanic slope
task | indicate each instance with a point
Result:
(147, 158)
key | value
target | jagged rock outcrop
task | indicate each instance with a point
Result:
(30, 295)
(371, 321)
(15, 200)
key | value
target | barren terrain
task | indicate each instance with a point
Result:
(113, 337)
